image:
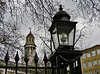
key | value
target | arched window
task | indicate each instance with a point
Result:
(31, 39)
(28, 39)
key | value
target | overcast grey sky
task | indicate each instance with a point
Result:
(68, 4)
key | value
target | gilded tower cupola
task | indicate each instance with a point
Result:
(30, 48)
(30, 40)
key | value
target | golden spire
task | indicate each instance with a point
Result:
(30, 29)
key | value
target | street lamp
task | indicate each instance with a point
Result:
(62, 31)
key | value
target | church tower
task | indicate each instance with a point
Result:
(30, 48)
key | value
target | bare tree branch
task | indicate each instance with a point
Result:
(80, 35)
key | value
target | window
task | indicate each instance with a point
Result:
(28, 39)
(31, 39)
(99, 61)
(96, 72)
(98, 51)
(10, 72)
(93, 53)
(89, 64)
(95, 63)
(85, 72)
(84, 56)
(85, 65)
(88, 54)
(91, 72)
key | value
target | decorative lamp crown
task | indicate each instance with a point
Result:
(61, 15)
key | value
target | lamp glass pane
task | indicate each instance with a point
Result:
(66, 35)
(71, 37)
(55, 38)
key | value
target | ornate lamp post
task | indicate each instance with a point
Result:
(63, 31)
(63, 35)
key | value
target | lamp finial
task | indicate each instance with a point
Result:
(60, 8)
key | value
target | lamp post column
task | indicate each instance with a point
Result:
(72, 68)
(79, 66)
(58, 64)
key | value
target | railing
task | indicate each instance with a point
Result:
(26, 67)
